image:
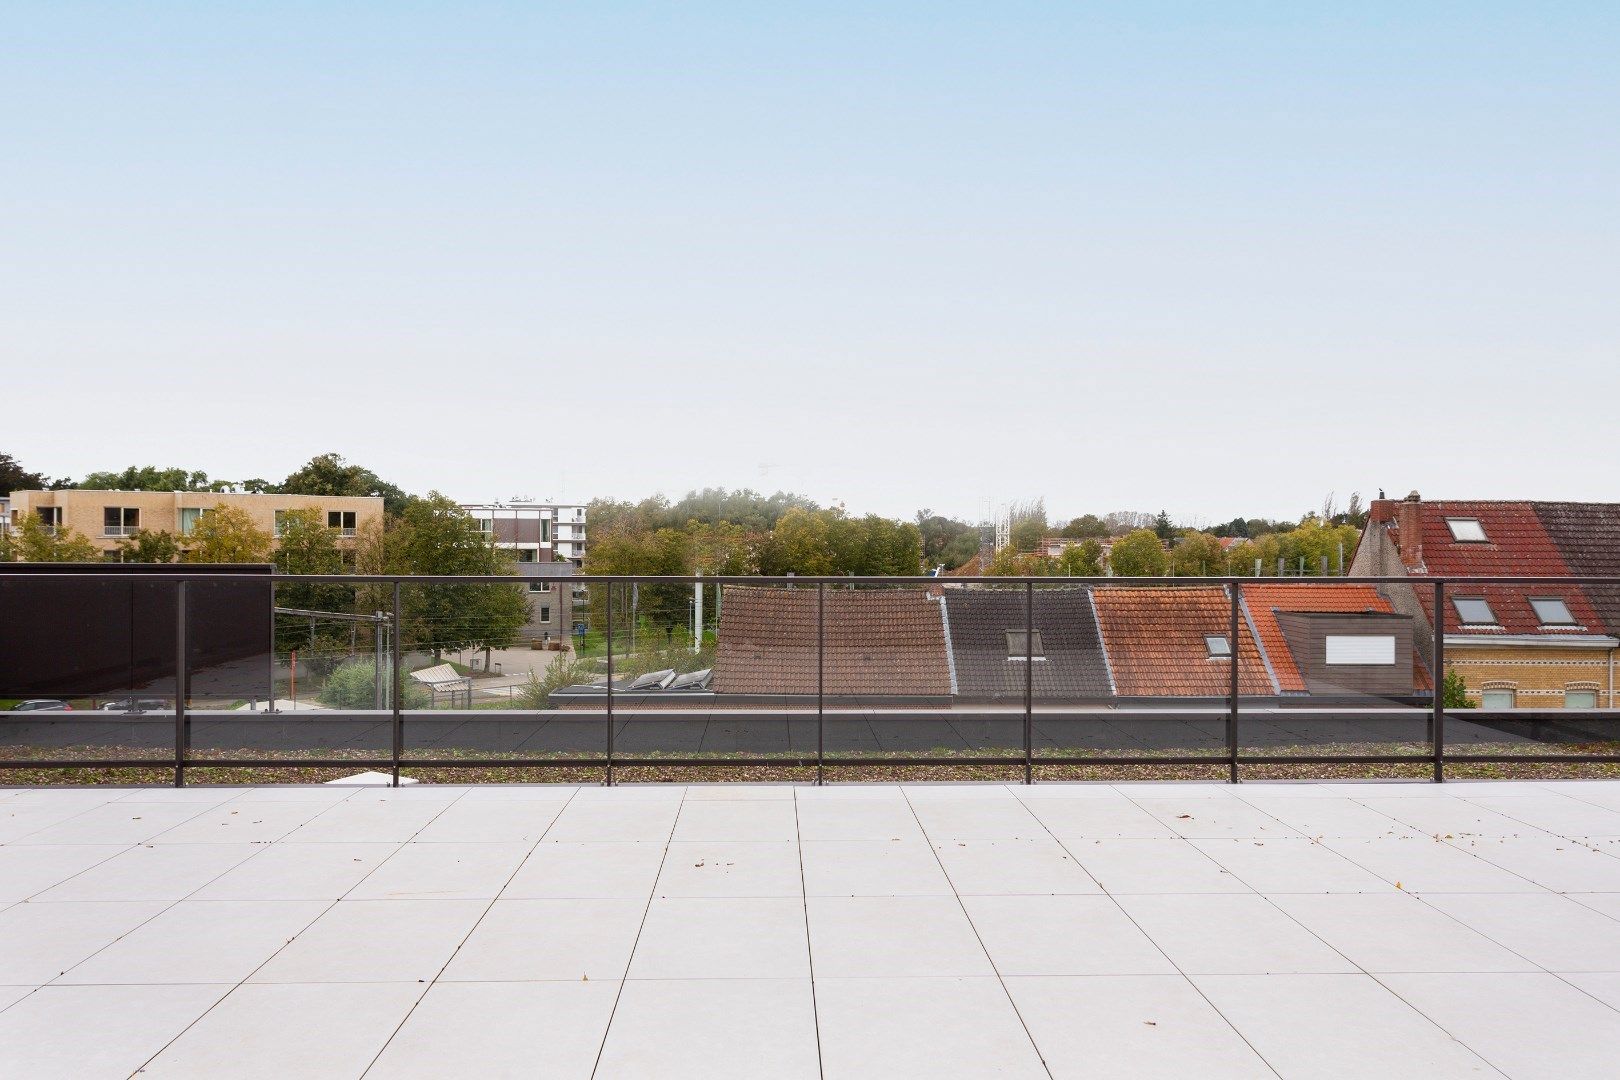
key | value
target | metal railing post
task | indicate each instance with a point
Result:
(181, 666)
(1232, 689)
(398, 680)
(1029, 682)
(821, 681)
(610, 684)
(1438, 721)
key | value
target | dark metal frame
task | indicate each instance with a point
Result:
(1232, 759)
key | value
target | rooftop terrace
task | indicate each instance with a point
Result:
(1175, 930)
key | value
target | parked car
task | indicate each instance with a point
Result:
(42, 705)
(138, 705)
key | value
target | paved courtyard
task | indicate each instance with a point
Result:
(1173, 930)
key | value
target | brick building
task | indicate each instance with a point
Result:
(1515, 646)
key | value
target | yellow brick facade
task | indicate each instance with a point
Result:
(84, 511)
(1539, 676)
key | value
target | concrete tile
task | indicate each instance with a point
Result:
(492, 822)
(712, 1029)
(40, 941)
(375, 941)
(1230, 934)
(195, 941)
(81, 1032)
(27, 869)
(743, 819)
(1337, 1027)
(1426, 865)
(978, 819)
(855, 819)
(156, 872)
(872, 868)
(722, 939)
(298, 872)
(238, 822)
(1553, 862)
(1164, 865)
(1137, 1027)
(1488, 1013)
(1039, 865)
(734, 868)
(1061, 935)
(1097, 819)
(922, 1028)
(500, 1031)
(1290, 865)
(644, 818)
(443, 872)
(893, 936)
(596, 870)
(274, 1032)
(1553, 931)
(530, 940)
(371, 822)
(1382, 932)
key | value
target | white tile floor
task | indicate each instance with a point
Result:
(1328, 930)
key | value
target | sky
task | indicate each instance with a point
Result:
(1214, 258)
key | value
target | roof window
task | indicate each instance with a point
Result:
(1551, 611)
(1467, 531)
(1473, 611)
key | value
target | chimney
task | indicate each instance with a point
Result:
(1409, 537)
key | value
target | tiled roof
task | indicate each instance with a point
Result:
(1517, 544)
(1155, 642)
(1265, 600)
(1588, 537)
(979, 620)
(878, 641)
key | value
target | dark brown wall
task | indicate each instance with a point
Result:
(1307, 634)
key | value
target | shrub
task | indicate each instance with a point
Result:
(352, 685)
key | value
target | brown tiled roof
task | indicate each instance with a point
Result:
(1263, 601)
(878, 642)
(1517, 545)
(1154, 638)
(979, 620)
(1588, 537)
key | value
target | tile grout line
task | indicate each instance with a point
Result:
(809, 946)
(434, 981)
(324, 912)
(652, 894)
(961, 906)
(1199, 990)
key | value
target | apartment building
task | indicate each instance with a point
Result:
(548, 541)
(106, 517)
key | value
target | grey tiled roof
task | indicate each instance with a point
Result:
(1588, 537)
(979, 620)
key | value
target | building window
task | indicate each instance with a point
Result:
(1580, 699)
(1497, 699)
(1467, 531)
(120, 520)
(281, 516)
(526, 554)
(540, 586)
(1551, 611)
(1473, 611)
(50, 517)
(1219, 647)
(1020, 649)
(1361, 649)
(545, 612)
(341, 520)
(486, 525)
(189, 516)
(545, 530)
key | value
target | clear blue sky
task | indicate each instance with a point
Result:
(1214, 258)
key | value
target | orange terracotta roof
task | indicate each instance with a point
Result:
(1263, 601)
(1154, 638)
(878, 642)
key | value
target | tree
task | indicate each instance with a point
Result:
(1084, 526)
(1080, 560)
(939, 533)
(1197, 554)
(329, 474)
(1027, 524)
(308, 546)
(1163, 527)
(226, 534)
(147, 546)
(961, 549)
(1141, 554)
(435, 536)
(33, 541)
(151, 478)
(13, 477)
(1454, 691)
